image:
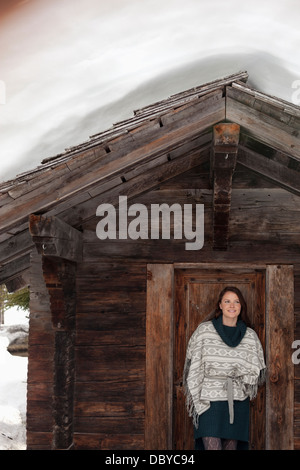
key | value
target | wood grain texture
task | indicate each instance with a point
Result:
(159, 357)
(280, 334)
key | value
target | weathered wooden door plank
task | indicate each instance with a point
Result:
(280, 334)
(159, 357)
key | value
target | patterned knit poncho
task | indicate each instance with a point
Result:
(220, 370)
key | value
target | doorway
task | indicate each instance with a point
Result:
(196, 294)
(179, 297)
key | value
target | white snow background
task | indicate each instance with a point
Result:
(72, 68)
(13, 386)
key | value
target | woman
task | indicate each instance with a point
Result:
(223, 369)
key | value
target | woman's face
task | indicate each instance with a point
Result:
(231, 308)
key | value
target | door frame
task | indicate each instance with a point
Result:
(159, 352)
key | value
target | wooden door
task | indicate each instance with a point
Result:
(196, 294)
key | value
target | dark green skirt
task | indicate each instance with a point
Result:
(215, 423)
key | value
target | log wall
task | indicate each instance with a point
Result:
(110, 350)
(110, 356)
(40, 362)
(297, 366)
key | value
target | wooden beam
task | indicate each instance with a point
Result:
(180, 98)
(18, 282)
(280, 174)
(280, 336)
(109, 165)
(80, 210)
(159, 357)
(14, 269)
(86, 210)
(268, 120)
(223, 162)
(60, 280)
(16, 246)
(54, 238)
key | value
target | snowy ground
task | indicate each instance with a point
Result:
(13, 386)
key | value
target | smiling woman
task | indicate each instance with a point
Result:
(231, 304)
(223, 369)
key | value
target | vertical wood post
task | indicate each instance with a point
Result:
(223, 162)
(159, 357)
(60, 246)
(279, 339)
(59, 276)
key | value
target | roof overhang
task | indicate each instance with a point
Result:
(159, 142)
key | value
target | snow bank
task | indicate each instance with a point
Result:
(13, 388)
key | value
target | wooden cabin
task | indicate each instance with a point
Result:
(110, 318)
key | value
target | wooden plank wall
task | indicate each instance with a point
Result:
(111, 308)
(40, 362)
(297, 366)
(109, 394)
(110, 356)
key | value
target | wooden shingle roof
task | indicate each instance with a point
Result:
(160, 141)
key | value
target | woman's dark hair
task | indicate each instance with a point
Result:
(243, 314)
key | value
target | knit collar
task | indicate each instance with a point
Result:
(234, 339)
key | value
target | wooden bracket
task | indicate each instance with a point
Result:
(223, 162)
(54, 238)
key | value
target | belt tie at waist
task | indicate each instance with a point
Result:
(229, 387)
